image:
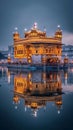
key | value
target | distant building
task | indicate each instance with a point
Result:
(4, 53)
(67, 50)
(11, 51)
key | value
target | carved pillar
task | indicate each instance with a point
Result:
(43, 59)
(29, 55)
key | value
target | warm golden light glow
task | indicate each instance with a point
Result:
(37, 42)
(33, 105)
(26, 87)
(20, 83)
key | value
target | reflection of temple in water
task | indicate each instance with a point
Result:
(38, 88)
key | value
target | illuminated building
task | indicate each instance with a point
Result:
(9, 58)
(37, 93)
(67, 50)
(37, 47)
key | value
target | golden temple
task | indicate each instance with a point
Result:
(37, 47)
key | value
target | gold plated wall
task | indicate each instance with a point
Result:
(36, 42)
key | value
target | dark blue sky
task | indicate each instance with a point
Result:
(23, 13)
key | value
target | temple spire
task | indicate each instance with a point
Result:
(59, 27)
(16, 29)
(35, 25)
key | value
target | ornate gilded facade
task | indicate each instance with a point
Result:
(37, 47)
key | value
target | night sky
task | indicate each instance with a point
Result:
(23, 13)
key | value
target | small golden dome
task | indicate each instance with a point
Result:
(34, 105)
(58, 102)
(35, 32)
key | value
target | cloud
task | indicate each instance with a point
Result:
(68, 38)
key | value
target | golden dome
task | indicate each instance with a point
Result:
(34, 105)
(59, 102)
(58, 33)
(35, 32)
(16, 36)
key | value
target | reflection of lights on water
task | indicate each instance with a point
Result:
(2, 71)
(8, 78)
(35, 113)
(25, 109)
(66, 77)
(6, 70)
(19, 102)
(44, 108)
(16, 103)
(58, 111)
(16, 107)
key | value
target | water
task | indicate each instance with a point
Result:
(36, 100)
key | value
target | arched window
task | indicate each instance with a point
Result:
(36, 51)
